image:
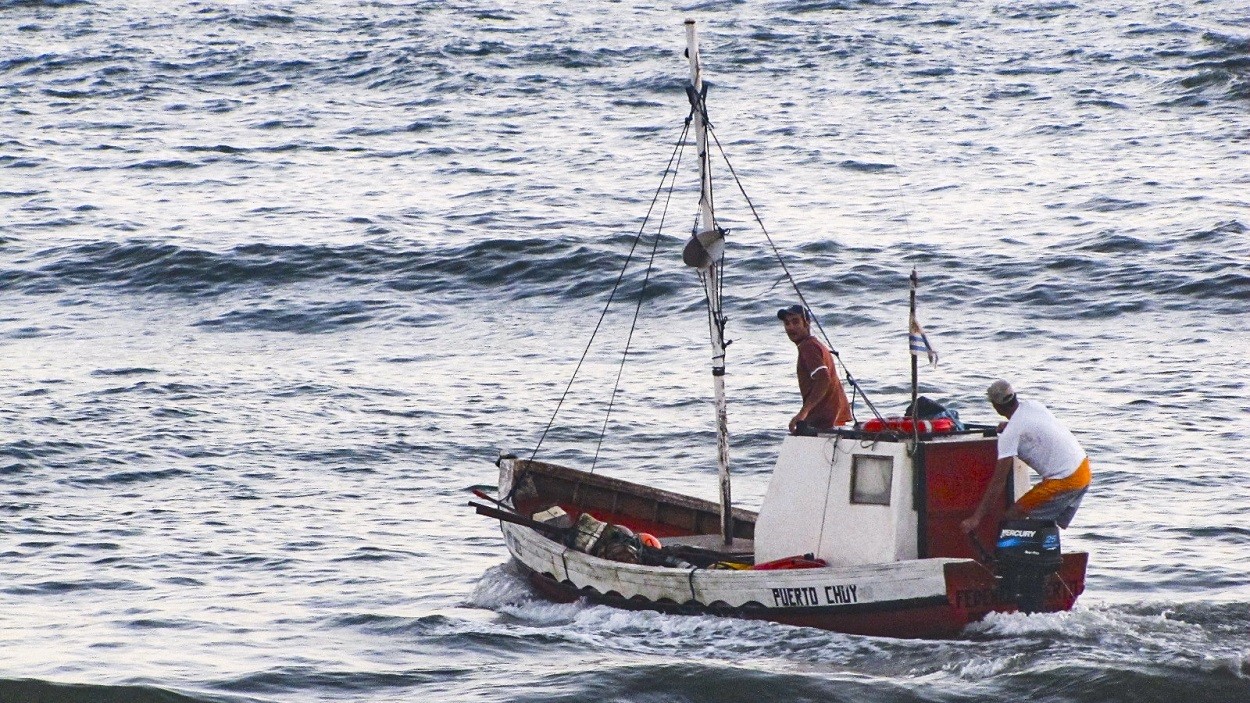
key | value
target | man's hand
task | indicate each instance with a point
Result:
(794, 423)
(970, 525)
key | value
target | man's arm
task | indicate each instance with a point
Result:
(993, 495)
(819, 391)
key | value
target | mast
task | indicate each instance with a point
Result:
(706, 252)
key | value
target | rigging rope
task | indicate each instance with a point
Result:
(671, 171)
(677, 149)
(642, 292)
(793, 283)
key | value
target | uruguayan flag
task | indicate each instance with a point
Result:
(920, 342)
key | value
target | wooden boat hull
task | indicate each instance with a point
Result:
(915, 598)
(968, 600)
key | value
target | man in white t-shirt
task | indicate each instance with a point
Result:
(1039, 440)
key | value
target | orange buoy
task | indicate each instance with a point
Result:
(648, 540)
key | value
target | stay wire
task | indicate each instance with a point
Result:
(793, 284)
(642, 292)
(615, 287)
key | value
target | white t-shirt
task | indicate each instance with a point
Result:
(1037, 438)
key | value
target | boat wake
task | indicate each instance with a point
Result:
(1197, 640)
(504, 590)
(647, 634)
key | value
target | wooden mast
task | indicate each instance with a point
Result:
(710, 246)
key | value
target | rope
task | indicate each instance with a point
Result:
(642, 292)
(824, 513)
(793, 284)
(670, 170)
(677, 148)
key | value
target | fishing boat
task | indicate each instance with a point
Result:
(858, 531)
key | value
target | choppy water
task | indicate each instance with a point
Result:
(281, 280)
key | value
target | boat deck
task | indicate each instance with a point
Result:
(713, 547)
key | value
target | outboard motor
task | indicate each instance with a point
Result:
(1026, 555)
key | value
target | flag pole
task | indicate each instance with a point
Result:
(915, 377)
(918, 342)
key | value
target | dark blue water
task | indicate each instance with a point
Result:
(281, 280)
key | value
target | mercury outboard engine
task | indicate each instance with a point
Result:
(1027, 554)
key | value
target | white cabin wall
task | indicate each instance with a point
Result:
(792, 513)
(907, 519)
(808, 508)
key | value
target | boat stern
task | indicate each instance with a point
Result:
(973, 590)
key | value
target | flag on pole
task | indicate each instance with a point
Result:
(920, 342)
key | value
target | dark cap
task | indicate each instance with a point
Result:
(794, 310)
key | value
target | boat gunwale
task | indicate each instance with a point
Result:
(698, 510)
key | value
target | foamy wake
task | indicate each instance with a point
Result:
(503, 589)
(1002, 643)
(1114, 634)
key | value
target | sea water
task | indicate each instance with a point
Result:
(281, 280)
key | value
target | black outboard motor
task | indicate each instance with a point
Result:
(1027, 554)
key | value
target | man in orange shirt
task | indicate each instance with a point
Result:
(824, 400)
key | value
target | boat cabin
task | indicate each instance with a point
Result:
(854, 498)
(846, 496)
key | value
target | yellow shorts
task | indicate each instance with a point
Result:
(1051, 489)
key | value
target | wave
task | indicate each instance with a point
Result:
(289, 679)
(121, 372)
(1105, 274)
(301, 317)
(666, 679)
(61, 587)
(1220, 71)
(159, 267)
(29, 450)
(168, 268)
(37, 691)
(400, 54)
(4, 4)
(122, 478)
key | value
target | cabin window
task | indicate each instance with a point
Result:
(871, 478)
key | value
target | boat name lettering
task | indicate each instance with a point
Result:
(808, 596)
(974, 598)
(795, 597)
(1018, 533)
(841, 595)
(989, 598)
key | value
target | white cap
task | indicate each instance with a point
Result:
(1000, 393)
